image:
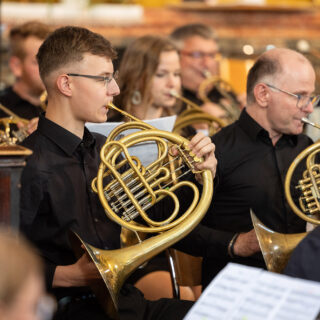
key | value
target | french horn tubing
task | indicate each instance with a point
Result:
(194, 115)
(276, 247)
(229, 103)
(127, 195)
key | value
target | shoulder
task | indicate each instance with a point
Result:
(8, 97)
(40, 146)
(99, 138)
(227, 136)
(303, 141)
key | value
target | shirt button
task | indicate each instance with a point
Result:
(96, 220)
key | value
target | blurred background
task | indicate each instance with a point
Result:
(245, 28)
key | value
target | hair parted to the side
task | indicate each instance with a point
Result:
(265, 67)
(18, 261)
(138, 65)
(69, 44)
(180, 34)
(22, 32)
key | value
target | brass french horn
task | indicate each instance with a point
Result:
(277, 247)
(229, 103)
(129, 194)
(194, 115)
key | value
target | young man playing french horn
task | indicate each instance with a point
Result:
(76, 67)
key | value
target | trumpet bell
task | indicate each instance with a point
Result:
(276, 247)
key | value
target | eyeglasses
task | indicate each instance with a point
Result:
(105, 79)
(302, 100)
(199, 54)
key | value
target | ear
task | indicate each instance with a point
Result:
(15, 64)
(63, 84)
(262, 94)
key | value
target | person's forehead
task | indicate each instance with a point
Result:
(197, 43)
(32, 44)
(95, 62)
(168, 56)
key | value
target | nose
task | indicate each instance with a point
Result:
(308, 108)
(173, 81)
(113, 88)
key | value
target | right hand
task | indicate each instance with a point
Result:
(82, 273)
(246, 244)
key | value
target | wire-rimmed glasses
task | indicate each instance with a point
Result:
(302, 100)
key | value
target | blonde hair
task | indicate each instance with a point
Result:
(18, 260)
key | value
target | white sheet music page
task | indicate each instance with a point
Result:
(246, 293)
(147, 152)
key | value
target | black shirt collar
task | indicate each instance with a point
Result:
(254, 130)
(66, 140)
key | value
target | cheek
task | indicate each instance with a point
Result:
(178, 83)
(156, 86)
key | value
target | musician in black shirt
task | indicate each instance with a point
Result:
(199, 51)
(254, 154)
(76, 68)
(23, 97)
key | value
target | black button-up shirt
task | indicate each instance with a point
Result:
(250, 174)
(59, 171)
(18, 105)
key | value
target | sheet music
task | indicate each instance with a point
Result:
(147, 152)
(246, 293)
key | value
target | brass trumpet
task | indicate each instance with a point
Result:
(129, 192)
(194, 115)
(276, 247)
(229, 103)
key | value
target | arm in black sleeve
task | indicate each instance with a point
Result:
(205, 242)
(31, 199)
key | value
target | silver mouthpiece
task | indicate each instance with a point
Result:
(174, 93)
(307, 121)
(206, 73)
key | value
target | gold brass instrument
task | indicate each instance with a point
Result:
(229, 103)
(43, 100)
(129, 194)
(8, 136)
(194, 115)
(276, 247)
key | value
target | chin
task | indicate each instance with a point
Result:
(297, 131)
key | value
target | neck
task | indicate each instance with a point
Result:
(152, 112)
(257, 113)
(275, 137)
(63, 118)
(24, 92)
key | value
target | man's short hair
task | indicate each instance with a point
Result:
(265, 67)
(20, 33)
(69, 44)
(180, 34)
